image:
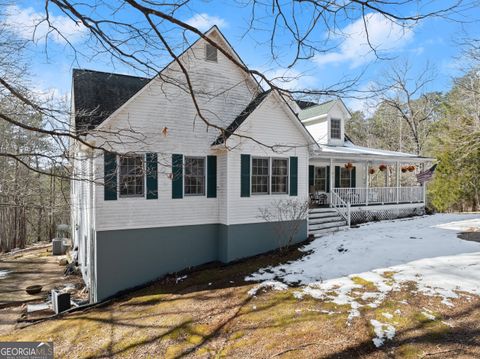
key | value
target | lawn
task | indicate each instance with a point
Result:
(406, 288)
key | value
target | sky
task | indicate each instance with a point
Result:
(433, 41)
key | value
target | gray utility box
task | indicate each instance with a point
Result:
(59, 246)
(60, 301)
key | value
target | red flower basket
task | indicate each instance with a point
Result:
(371, 171)
(411, 168)
(382, 168)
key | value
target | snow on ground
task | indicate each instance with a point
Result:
(382, 331)
(268, 284)
(425, 250)
(3, 273)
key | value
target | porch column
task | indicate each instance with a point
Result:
(397, 174)
(367, 176)
(332, 179)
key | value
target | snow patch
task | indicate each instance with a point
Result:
(268, 284)
(423, 250)
(179, 279)
(4, 273)
(382, 331)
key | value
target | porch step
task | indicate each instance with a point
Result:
(321, 210)
(326, 225)
(320, 220)
(322, 232)
(323, 215)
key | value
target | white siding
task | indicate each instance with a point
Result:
(271, 125)
(83, 221)
(319, 130)
(165, 105)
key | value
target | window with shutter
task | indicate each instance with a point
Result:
(194, 176)
(279, 175)
(132, 176)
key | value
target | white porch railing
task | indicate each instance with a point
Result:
(379, 195)
(341, 206)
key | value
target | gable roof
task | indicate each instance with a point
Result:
(98, 94)
(127, 90)
(241, 118)
(252, 106)
(316, 110)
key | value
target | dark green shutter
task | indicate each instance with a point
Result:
(311, 176)
(353, 182)
(328, 178)
(337, 176)
(110, 176)
(245, 175)
(211, 176)
(177, 176)
(152, 175)
(293, 176)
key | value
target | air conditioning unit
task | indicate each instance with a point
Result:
(60, 301)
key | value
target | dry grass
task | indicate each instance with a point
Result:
(208, 316)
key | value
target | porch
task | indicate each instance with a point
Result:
(366, 186)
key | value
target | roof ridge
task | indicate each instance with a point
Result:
(256, 101)
(110, 73)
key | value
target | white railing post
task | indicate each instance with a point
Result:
(348, 214)
(367, 175)
(397, 173)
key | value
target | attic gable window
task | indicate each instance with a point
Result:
(335, 128)
(210, 53)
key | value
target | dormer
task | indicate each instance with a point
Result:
(325, 121)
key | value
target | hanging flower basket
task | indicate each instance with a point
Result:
(411, 168)
(349, 166)
(371, 170)
(382, 168)
(404, 169)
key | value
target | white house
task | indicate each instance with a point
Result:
(167, 192)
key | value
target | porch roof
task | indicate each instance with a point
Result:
(352, 152)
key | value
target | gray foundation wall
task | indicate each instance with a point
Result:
(129, 258)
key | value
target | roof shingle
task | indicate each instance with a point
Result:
(98, 94)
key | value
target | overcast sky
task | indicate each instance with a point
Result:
(432, 41)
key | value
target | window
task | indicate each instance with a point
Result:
(260, 175)
(345, 178)
(210, 53)
(194, 176)
(335, 128)
(279, 175)
(320, 179)
(131, 176)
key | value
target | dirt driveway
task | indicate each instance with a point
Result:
(21, 269)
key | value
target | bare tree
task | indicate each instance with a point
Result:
(406, 94)
(286, 216)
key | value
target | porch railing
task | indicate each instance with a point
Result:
(380, 195)
(341, 206)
